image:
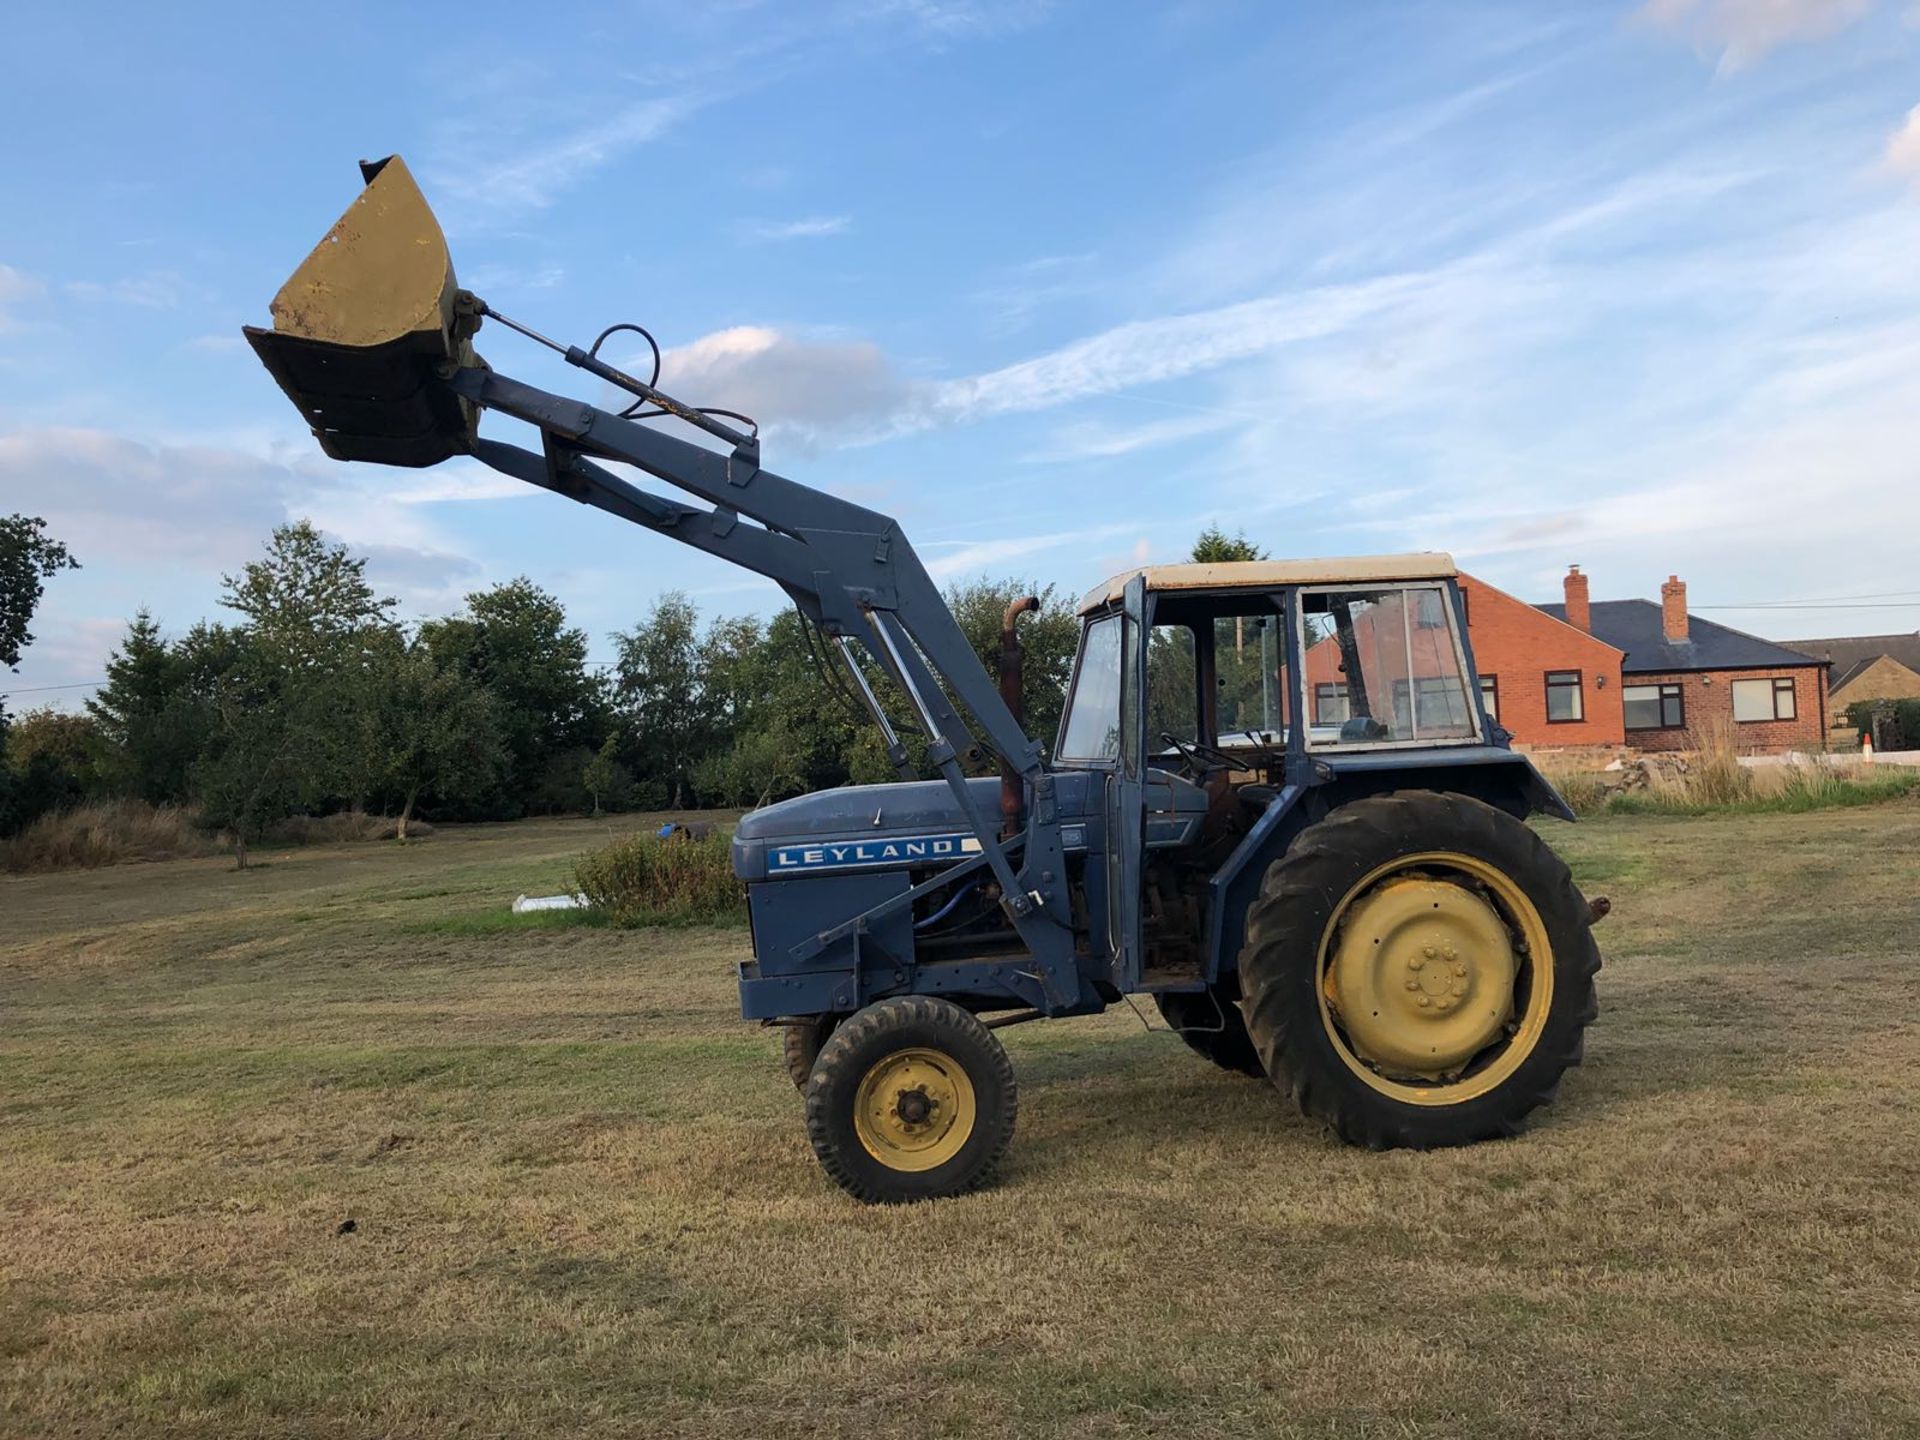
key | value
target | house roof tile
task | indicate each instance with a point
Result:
(1848, 652)
(1635, 627)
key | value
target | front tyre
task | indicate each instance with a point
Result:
(911, 1099)
(1418, 971)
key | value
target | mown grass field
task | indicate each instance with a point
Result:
(583, 1203)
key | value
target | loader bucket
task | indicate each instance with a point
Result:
(367, 326)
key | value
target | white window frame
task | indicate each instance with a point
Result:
(1776, 686)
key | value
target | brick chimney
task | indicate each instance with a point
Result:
(1673, 610)
(1579, 612)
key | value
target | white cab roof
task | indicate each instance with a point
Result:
(1264, 574)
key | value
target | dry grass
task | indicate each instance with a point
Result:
(1714, 781)
(584, 1205)
(108, 832)
(117, 832)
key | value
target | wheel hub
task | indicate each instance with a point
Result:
(1423, 976)
(914, 1109)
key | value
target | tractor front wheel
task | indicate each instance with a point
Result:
(910, 1099)
(1418, 971)
(800, 1044)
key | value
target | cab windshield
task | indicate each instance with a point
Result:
(1383, 667)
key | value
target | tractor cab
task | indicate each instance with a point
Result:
(1232, 668)
(1278, 689)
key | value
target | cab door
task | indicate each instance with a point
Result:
(1126, 817)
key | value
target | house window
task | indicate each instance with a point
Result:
(1440, 702)
(1654, 707)
(1330, 705)
(1564, 701)
(1755, 700)
(1490, 695)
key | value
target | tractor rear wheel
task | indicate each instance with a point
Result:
(911, 1099)
(800, 1045)
(1213, 1027)
(1418, 971)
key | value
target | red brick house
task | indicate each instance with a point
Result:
(1681, 675)
(1636, 674)
(1553, 683)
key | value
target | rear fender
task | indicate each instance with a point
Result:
(1496, 776)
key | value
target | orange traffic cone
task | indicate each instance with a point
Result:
(1866, 747)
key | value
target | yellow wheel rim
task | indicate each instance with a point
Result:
(1436, 978)
(914, 1109)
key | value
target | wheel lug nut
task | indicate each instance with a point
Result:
(1427, 951)
(1424, 1002)
(1413, 984)
(1460, 970)
(1414, 962)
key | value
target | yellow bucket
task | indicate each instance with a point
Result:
(366, 328)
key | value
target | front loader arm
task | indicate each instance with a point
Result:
(849, 568)
(372, 341)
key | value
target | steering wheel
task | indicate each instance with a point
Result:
(1201, 757)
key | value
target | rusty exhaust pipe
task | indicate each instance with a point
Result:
(1013, 690)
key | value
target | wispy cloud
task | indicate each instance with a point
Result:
(1741, 32)
(975, 557)
(503, 278)
(1091, 440)
(961, 18)
(1014, 296)
(16, 286)
(159, 290)
(533, 174)
(812, 227)
(1903, 148)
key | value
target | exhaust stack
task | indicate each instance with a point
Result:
(1013, 690)
(370, 324)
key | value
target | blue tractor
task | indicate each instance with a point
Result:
(1277, 804)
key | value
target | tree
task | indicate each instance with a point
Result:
(658, 681)
(316, 625)
(604, 777)
(55, 762)
(434, 730)
(1049, 636)
(148, 720)
(515, 643)
(28, 558)
(1214, 546)
(308, 599)
(266, 724)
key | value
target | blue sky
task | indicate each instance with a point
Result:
(1630, 285)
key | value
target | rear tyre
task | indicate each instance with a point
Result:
(1418, 971)
(1213, 1027)
(911, 1099)
(800, 1045)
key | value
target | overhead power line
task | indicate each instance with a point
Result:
(1820, 605)
(39, 689)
